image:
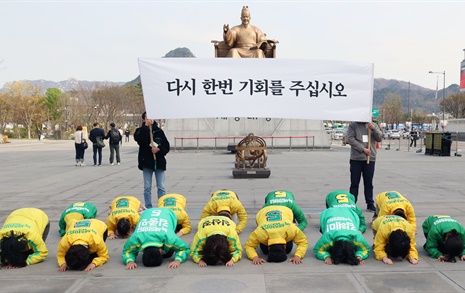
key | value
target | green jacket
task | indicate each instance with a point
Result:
(155, 228)
(76, 211)
(286, 198)
(345, 199)
(340, 224)
(435, 228)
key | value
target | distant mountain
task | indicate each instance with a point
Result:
(70, 84)
(176, 53)
(418, 97)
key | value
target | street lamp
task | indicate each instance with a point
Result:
(443, 97)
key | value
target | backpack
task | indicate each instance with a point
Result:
(114, 136)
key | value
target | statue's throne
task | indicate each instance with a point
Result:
(222, 49)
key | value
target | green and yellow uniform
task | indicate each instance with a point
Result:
(31, 222)
(216, 225)
(345, 199)
(226, 200)
(88, 233)
(177, 203)
(340, 224)
(275, 226)
(123, 207)
(286, 198)
(155, 228)
(76, 212)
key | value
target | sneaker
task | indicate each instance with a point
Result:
(119, 163)
(100, 165)
(77, 164)
(112, 164)
(95, 165)
(371, 208)
(82, 164)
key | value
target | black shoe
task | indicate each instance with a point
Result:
(371, 208)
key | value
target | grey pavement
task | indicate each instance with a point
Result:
(42, 175)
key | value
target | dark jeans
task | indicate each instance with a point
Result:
(79, 152)
(114, 148)
(357, 169)
(413, 141)
(96, 149)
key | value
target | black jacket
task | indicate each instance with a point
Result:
(94, 133)
(108, 136)
(145, 158)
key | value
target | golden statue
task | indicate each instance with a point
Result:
(245, 41)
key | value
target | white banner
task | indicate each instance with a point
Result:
(254, 87)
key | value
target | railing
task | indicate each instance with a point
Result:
(239, 138)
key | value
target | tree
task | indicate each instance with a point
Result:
(455, 105)
(392, 109)
(27, 105)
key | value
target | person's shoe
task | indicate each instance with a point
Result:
(77, 164)
(100, 165)
(82, 164)
(371, 208)
(95, 165)
(112, 164)
(119, 163)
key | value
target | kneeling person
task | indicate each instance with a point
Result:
(22, 238)
(154, 236)
(394, 203)
(216, 240)
(83, 246)
(177, 203)
(445, 238)
(224, 202)
(286, 198)
(345, 199)
(76, 212)
(341, 241)
(394, 237)
(275, 234)
(123, 216)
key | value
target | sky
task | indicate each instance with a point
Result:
(102, 40)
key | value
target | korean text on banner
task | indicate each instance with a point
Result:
(253, 87)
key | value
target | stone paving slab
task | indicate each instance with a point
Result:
(43, 175)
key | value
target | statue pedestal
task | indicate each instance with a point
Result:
(251, 173)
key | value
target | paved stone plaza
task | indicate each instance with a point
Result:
(42, 174)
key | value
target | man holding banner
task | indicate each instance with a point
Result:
(153, 147)
(362, 137)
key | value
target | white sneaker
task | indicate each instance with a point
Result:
(119, 163)
(82, 164)
(77, 164)
(112, 164)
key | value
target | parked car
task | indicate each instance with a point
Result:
(338, 134)
(395, 134)
(406, 134)
(387, 134)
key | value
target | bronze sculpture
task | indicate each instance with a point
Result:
(244, 41)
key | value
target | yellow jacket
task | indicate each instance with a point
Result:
(216, 225)
(226, 200)
(383, 226)
(88, 233)
(275, 226)
(123, 207)
(389, 201)
(177, 203)
(32, 223)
